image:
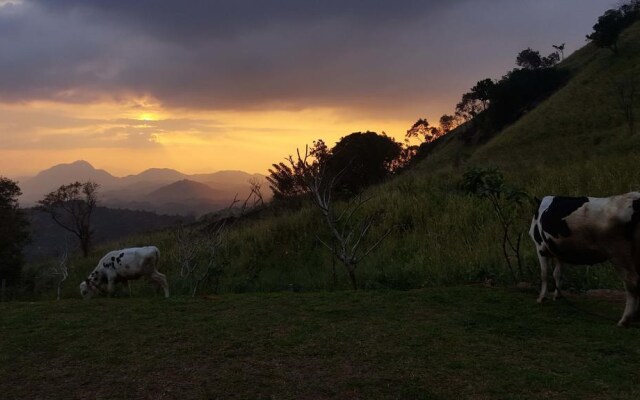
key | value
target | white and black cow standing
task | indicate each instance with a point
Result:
(590, 230)
(122, 266)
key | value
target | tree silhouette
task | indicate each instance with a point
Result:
(447, 123)
(14, 233)
(71, 206)
(367, 158)
(423, 131)
(560, 49)
(531, 59)
(610, 25)
(349, 226)
(286, 179)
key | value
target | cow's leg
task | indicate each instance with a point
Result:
(544, 267)
(631, 279)
(161, 279)
(557, 277)
(111, 285)
(631, 306)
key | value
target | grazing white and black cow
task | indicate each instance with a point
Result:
(122, 266)
(590, 230)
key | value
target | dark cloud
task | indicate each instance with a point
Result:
(380, 55)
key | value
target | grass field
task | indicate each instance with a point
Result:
(440, 343)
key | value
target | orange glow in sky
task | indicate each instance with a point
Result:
(203, 86)
(128, 137)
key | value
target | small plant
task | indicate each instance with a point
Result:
(349, 227)
(506, 200)
(197, 254)
(60, 270)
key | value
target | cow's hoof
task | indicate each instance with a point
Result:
(623, 323)
(540, 300)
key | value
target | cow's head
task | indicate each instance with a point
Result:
(86, 290)
(90, 286)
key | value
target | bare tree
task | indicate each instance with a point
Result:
(506, 201)
(196, 252)
(560, 49)
(255, 187)
(60, 270)
(348, 227)
(186, 249)
(71, 207)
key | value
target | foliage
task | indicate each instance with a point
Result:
(610, 25)
(286, 179)
(531, 59)
(448, 122)
(71, 207)
(14, 233)
(366, 158)
(560, 49)
(348, 229)
(196, 252)
(519, 91)
(361, 159)
(506, 201)
(491, 105)
(423, 130)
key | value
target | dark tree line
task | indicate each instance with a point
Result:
(491, 105)
(14, 232)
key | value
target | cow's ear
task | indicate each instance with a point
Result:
(537, 201)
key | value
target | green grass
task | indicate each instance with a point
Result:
(440, 343)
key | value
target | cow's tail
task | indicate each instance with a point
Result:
(156, 260)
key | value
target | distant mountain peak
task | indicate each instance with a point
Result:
(184, 189)
(75, 168)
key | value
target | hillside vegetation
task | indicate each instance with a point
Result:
(575, 142)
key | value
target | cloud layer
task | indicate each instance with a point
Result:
(367, 56)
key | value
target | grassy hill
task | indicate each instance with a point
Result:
(575, 142)
(438, 343)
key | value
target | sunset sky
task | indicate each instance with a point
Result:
(202, 86)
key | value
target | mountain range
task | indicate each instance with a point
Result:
(161, 190)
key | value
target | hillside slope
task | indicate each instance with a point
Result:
(575, 142)
(580, 128)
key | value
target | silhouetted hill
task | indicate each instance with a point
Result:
(149, 190)
(184, 190)
(33, 189)
(155, 175)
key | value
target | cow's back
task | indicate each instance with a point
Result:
(131, 262)
(587, 230)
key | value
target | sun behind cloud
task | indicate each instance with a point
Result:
(148, 116)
